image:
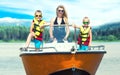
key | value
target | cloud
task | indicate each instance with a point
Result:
(14, 15)
(99, 11)
(11, 20)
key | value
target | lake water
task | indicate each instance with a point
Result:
(11, 63)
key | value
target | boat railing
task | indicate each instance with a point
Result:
(100, 47)
(73, 47)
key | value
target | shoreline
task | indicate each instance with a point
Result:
(22, 41)
(12, 49)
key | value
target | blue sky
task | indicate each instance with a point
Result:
(99, 11)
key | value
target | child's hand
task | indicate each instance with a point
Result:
(46, 24)
(73, 25)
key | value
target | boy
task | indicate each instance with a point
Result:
(36, 31)
(85, 36)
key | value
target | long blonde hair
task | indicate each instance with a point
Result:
(64, 14)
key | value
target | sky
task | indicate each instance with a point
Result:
(99, 11)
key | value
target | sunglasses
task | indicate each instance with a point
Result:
(85, 22)
(60, 10)
(38, 15)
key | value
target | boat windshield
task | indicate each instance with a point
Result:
(59, 32)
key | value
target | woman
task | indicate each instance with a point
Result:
(36, 30)
(59, 33)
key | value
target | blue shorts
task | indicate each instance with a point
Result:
(38, 43)
(82, 47)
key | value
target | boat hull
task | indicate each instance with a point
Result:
(62, 63)
(71, 71)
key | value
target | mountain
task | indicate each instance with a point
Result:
(110, 25)
(13, 21)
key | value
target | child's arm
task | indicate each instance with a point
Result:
(90, 33)
(75, 26)
(31, 27)
(45, 24)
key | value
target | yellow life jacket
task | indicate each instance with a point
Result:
(36, 27)
(84, 33)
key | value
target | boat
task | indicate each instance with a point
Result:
(62, 59)
(71, 62)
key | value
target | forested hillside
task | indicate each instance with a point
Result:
(8, 33)
(107, 32)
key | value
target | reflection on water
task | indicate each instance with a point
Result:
(11, 64)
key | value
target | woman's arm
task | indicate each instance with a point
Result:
(51, 28)
(67, 28)
(67, 31)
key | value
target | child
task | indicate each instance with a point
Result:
(85, 36)
(36, 30)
